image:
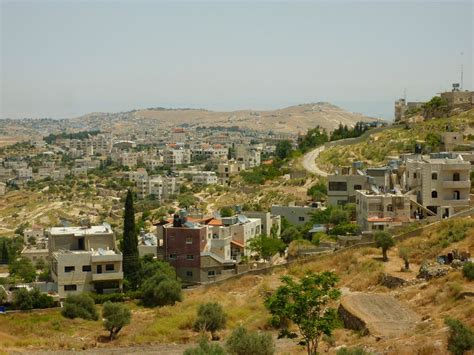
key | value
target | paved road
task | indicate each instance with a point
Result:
(309, 162)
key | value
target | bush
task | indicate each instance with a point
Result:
(22, 299)
(80, 306)
(345, 229)
(160, 290)
(468, 270)
(243, 342)
(112, 297)
(205, 348)
(211, 318)
(461, 338)
(116, 316)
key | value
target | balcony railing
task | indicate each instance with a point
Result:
(107, 276)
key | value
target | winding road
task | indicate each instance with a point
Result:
(309, 161)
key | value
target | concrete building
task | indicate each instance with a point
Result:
(451, 140)
(402, 108)
(84, 259)
(228, 169)
(205, 178)
(296, 215)
(247, 155)
(458, 98)
(381, 211)
(176, 156)
(268, 221)
(440, 182)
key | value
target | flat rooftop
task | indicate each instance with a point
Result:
(80, 231)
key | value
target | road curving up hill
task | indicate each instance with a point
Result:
(377, 314)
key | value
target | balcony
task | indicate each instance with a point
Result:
(465, 184)
(107, 276)
(456, 203)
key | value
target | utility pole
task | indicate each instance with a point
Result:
(462, 71)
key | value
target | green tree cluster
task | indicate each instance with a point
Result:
(80, 306)
(210, 318)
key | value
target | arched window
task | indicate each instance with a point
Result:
(434, 176)
(456, 195)
(434, 194)
(456, 177)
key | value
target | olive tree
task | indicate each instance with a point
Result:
(211, 317)
(384, 241)
(116, 316)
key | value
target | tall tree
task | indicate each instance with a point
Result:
(131, 262)
(5, 257)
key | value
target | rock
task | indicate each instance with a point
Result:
(380, 315)
(391, 281)
(429, 271)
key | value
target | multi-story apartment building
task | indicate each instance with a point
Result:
(268, 222)
(381, 211)
(247, 155)
(84, 259)
(440, 182)
(228, 169)
(158, 186)
(205, 178)
(176, 156)
(128, 159)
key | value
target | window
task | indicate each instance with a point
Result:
(211, 273)
(189, 257)
(434, 194)
(390, 208)
(338, 186)
(456, 195)
(434, 176)
(357, 187)
(69, 269)
(189, 240)
(414, 175)
(173, 256)
(456, 177)
(189, 273)
(70, 287)
(86, 268)
(301, 219)
(109, 267)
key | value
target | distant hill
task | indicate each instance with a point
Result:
(292, 119)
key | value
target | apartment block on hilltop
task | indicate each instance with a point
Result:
(84, 259)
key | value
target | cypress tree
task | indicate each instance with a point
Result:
(131, 263)
(5, 256)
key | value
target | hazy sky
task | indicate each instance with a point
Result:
(67, 58)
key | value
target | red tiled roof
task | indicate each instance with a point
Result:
(215, 222)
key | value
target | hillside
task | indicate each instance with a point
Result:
(167, 330)
(382, 146)
(292, 119)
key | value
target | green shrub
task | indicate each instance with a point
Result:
(345, 229)
(80, 306)
(161, 290)
(205, 348)
(243, 342)
(461, 338)
(468, 270)
(210, 317)
(112, 297)
(22, 299)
